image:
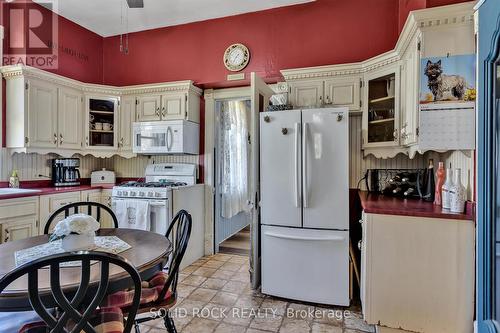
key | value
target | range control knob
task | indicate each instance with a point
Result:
(142, 194)
(157, 194)
(132, 194)
(119, 192)
(150, 193)
(125, 193)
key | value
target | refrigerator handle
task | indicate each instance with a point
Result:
(305, 127)
(297, 165)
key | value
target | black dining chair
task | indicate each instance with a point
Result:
(81, 207)
(178, 233)
(77, 313)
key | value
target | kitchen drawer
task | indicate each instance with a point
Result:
(18, 207)
(295, 259)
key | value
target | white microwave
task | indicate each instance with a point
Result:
(166, 137)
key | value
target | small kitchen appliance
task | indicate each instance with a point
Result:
(102, 177)
(166, 137)
(65, 172)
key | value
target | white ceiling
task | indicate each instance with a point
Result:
(104, 16)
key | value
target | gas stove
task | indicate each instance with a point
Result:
(160, 179)
(153, 184)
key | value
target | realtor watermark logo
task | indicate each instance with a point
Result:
(32, 32)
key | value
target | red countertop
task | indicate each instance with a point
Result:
(44, 188)
(380, 204)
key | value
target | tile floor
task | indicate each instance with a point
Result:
(215, 296)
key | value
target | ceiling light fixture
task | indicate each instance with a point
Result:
(124, 47)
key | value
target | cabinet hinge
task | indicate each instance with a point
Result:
(36, 223)
(419, 45)
(26, 86)
(361, 83)
(26, 140)
(360, 103)
(417, 131)
(186, 98)
(136, 101)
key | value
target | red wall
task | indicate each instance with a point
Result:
(80, 50)
(319, 33)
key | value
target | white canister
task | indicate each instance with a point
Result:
(445, 191)
(457, 193)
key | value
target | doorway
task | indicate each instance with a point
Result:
(232, 167)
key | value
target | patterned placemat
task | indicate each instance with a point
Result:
(109, 244)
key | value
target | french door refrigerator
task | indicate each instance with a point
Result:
(304, 204)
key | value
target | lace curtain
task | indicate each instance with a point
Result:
(234, 157)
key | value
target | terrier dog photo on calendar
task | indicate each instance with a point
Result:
(447, 79)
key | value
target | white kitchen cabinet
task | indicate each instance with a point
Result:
(173, 106)
(18, 218)
(169, 106)
(19, 228)
(306, 93)
(69, 117)
(43, 117)
(127, 117)
(417, 274)
(381, 111)
(97, 196)
(332, 92)
(149, 107)
(107, 221)
(410, 78)
(52, 202)
(345, 92)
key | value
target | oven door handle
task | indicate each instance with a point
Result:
(158, 204)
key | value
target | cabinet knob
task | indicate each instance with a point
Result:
(395, 134)
(55, 138)
(284, 131)
(60, 138)
(360, 245)
(6, 239)
(163, 112)
(267, 119)
(360, 221)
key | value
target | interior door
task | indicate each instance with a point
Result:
(280, 168)
(325, 168)
(149, 107)
(69, 118)
(43, 114)
(260, 96)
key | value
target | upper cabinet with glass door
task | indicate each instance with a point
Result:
(381, 108)
(102, 122)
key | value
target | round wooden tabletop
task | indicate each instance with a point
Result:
(148, 254)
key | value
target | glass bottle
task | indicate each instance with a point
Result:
(440, 174)
(445, 192)
(430, 185)
(457, 193)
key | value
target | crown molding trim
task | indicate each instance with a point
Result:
(19, 71)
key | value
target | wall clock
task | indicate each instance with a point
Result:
(236, 57)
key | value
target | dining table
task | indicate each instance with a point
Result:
(148, 253)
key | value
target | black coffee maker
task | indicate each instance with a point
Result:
(65, 172)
